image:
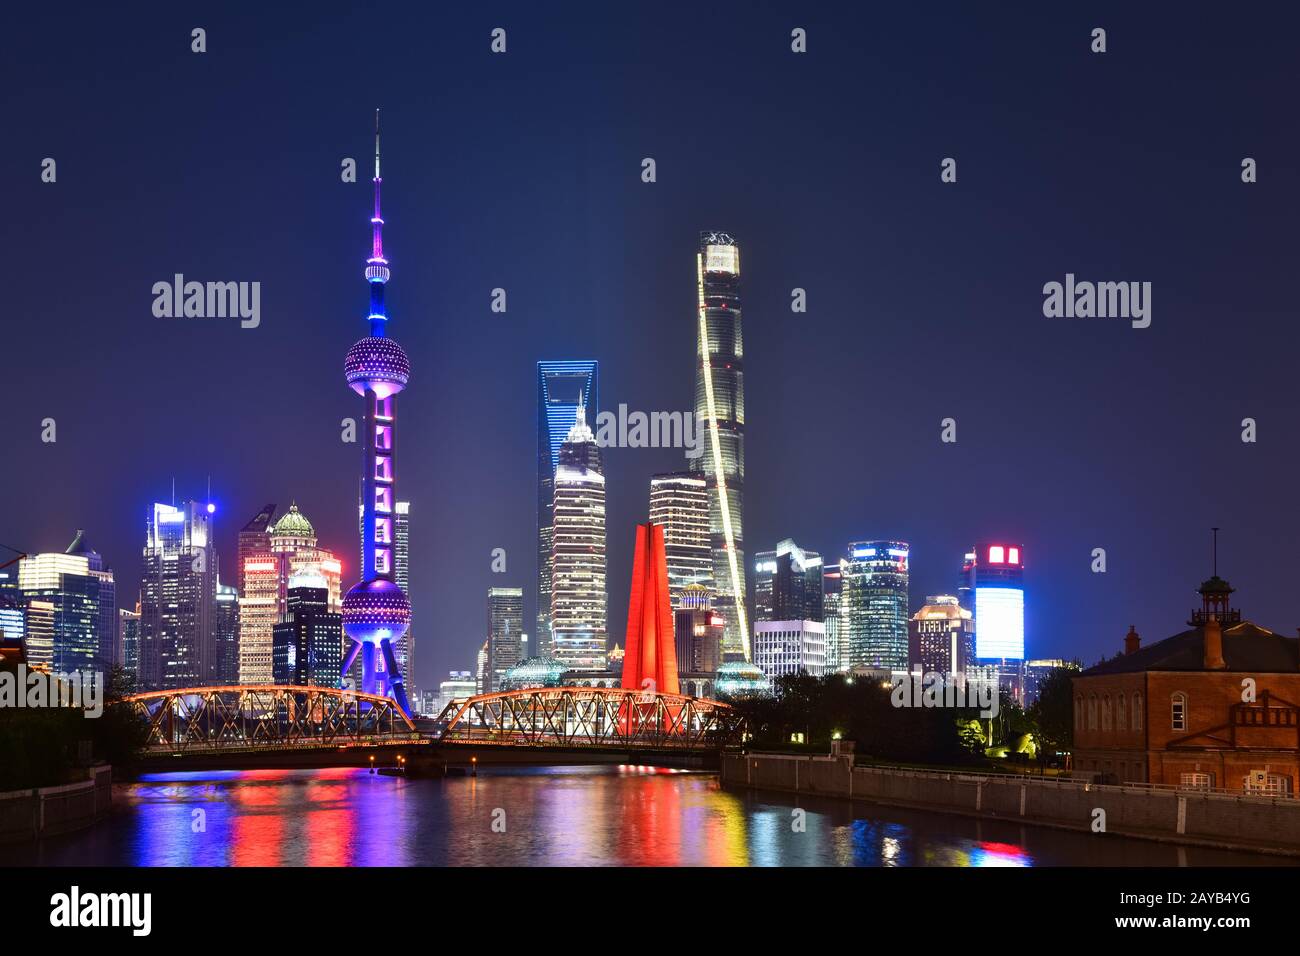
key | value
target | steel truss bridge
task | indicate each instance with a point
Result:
(590, 717)
(264, 717)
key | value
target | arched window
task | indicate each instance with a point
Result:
(1121, 713)
(1137, 711)
(1092, 712)
(1078, 712)
(1178, 711)
(1105, 711)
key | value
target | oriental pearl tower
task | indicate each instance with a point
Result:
(376, 612)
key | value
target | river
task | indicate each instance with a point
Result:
(556, 816)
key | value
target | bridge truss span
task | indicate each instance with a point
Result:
(246, 717)
(594, 717)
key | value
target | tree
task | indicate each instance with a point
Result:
(1052, 715)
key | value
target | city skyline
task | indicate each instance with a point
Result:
(1104, 456)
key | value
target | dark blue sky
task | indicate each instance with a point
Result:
(522, 171)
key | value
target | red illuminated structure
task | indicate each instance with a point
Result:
(650, 661)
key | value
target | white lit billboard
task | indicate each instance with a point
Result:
(1000, 623)
(722, 259)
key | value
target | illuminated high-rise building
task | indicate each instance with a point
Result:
(788, 584)
(941, 637)
(832, 614)
(376, 611)
(679, 503)
(39, 639)
(85, 614)
(578, 593)
(293, 552)
(720, 410)
(254, 538)
(697, 632)
(561, 388)
(307, 641)
(874, 605)
(128, 641)
(993, 588)
(404, 647)
(178, 597)
(225, 638)
(505, 635)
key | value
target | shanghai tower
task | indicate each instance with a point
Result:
(720, 410)
(376, 612)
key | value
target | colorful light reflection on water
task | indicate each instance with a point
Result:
(560, 816)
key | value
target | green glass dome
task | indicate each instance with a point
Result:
(294, 524)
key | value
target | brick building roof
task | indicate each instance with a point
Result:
(1247, 647)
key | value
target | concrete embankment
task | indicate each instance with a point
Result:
(46, 811)
(1203, 818)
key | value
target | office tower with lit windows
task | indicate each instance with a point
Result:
(941, 637)
(254, 538)
(720, 410)
(874, 605)
(293, 552)
(480, 669)
(178, 593)
(82, 593)
(561, 387)
(128, 641)
(404, 646)
(13, 615)
(225, 638)
(832, 592)
(679, 503)
(307, 641)
(578, 567)
(992, 584)
(376, 611)
(788, 584)
(789, 647)
(38, 620)
(505, 635)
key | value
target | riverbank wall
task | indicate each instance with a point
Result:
(46, 811)
(1202, 818)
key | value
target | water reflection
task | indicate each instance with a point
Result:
(560, 816)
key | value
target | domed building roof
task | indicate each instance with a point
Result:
(293, 524)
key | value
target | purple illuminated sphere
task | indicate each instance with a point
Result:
(375, 610)
(378, 364)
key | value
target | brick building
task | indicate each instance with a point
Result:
(1214, 706)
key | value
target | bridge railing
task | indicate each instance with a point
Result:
(267, 716)
(590, 717)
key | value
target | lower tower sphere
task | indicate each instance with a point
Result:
(376, 610)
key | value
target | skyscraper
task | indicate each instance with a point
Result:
(128, 641)
(505, 635)
(874, 602)
(788, 584)
(578, 595)
(832, 614)
(698, 632)
(307, 642)
(561, 388)
(679, 503)
(941, 637)
(225, 638)
(994, 587)
(720, 409)
(293, 552)
(404, 647)
(376, 611)
(254, 538)
(82, 593)
(177, 597)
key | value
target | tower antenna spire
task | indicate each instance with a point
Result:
(376, 145)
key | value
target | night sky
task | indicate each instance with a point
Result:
(523, 171)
